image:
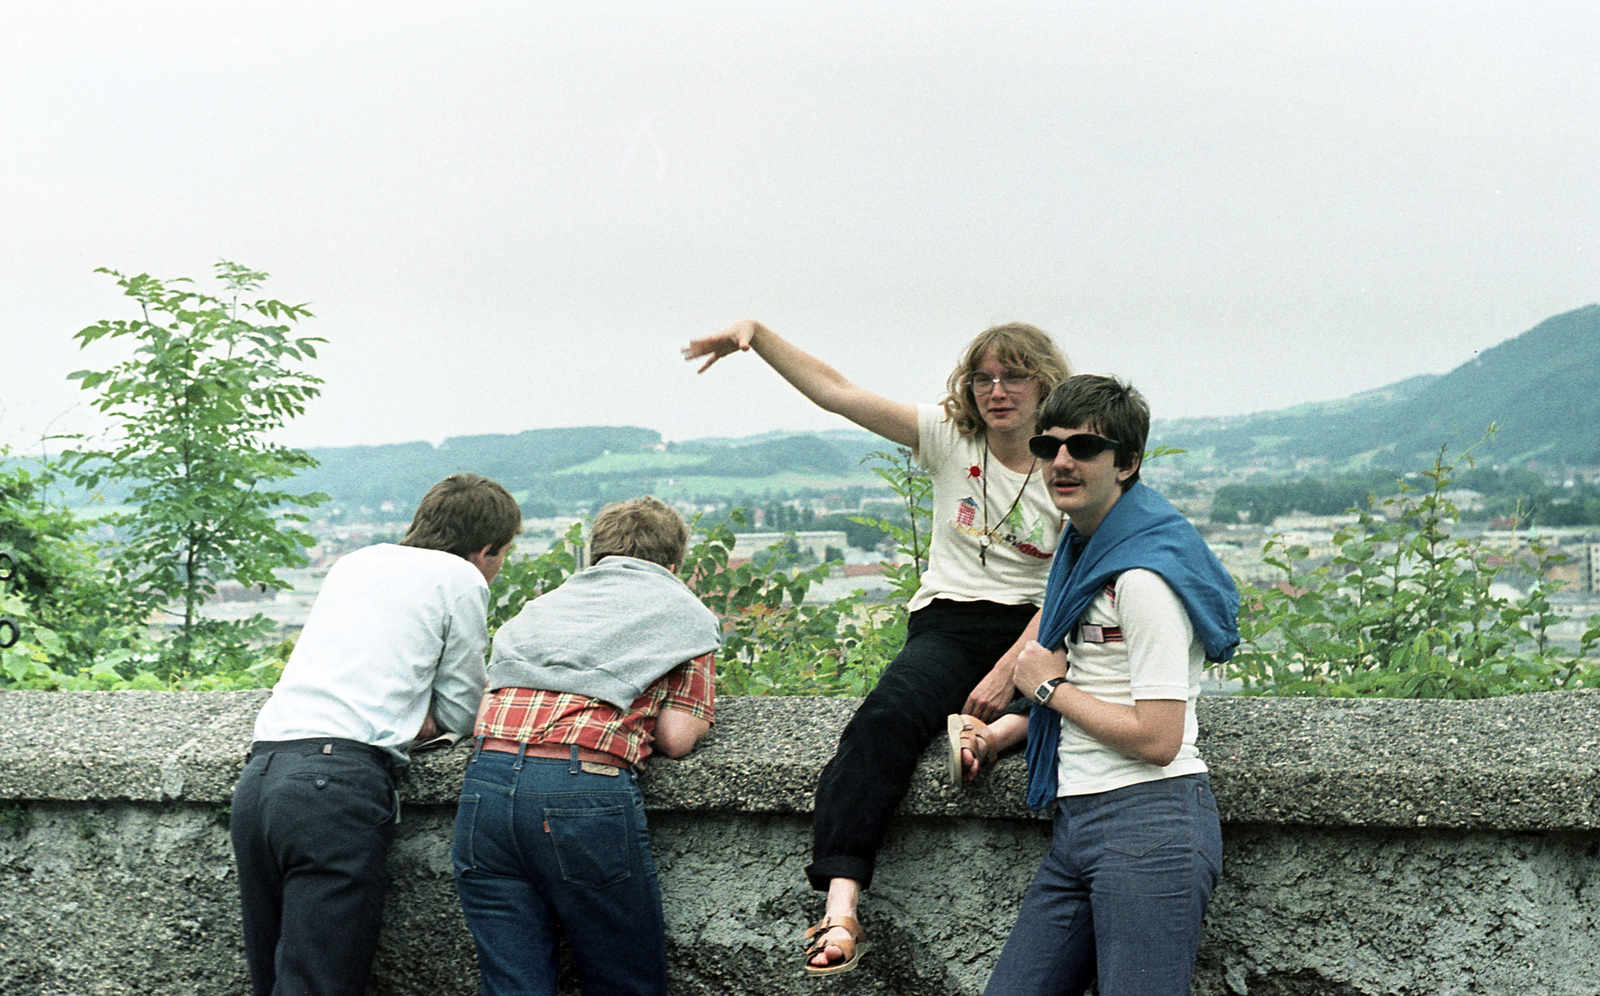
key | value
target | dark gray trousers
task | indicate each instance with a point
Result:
(311, 824)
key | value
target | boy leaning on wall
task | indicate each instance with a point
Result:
(392, 653)
(584, 684)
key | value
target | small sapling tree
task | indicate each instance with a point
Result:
(191, 411)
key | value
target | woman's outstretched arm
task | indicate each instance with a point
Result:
(825, 386)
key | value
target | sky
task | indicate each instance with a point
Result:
(509, 216)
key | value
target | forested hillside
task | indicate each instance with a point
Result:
(1541, 389)
(545, 467)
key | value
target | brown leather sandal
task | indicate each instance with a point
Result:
(852, 947)
(967, 733)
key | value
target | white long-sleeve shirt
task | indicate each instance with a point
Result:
(395, 631)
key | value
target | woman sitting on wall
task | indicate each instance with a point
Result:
(994, 533)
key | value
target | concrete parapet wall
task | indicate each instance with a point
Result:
(1371, 847)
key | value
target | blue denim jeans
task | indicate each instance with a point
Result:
(1120, 895)
(542, 844)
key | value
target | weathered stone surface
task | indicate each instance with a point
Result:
(1371, 847)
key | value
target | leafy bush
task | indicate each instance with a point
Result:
(774, 643)
(77, 623)
(1405, 610)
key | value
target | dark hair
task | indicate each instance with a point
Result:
(1106, 405)
(1019, 346)
(645, 528)
(464, 513)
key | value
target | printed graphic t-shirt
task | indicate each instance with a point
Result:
(1023, 534)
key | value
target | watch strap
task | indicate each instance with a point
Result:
(1047, 688)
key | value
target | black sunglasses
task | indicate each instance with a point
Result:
(1080, 446)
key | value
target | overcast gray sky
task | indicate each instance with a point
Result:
(511, 215)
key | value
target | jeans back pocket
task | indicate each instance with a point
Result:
(591, 843)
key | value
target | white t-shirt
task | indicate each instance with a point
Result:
(1024, 532)
(1147, 649)
(395, 631)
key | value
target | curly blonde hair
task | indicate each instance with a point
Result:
(1019, 346)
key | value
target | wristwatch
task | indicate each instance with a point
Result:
(1042, 694)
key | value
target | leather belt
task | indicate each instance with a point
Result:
(559, 751)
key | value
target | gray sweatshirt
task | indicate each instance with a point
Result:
(607, 633)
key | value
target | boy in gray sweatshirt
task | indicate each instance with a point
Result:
(584, 684)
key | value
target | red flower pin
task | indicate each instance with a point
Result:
(974, 471)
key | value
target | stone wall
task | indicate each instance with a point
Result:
(1371, 847)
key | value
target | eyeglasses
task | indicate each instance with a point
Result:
(1080, 446)
(982, 383)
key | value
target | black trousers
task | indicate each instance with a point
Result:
(311, 825)
(949, 647)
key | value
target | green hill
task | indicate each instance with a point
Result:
(400, 473)
(1542, 390)
(589, 464)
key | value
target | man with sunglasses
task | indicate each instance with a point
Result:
(1132, 611)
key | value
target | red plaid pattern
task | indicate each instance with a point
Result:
(533, 715)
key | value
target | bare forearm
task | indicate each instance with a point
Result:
(677, 732)
(1150, 730)
(995, 690)
(1008, 731)
(820, 383)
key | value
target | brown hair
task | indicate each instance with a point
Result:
(1019, 346)
(645, 528)
(464, 513)
(1109, 406)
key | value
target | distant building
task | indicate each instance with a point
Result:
(815, 542)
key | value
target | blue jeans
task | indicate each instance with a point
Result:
(1120, 895)
(542, 843)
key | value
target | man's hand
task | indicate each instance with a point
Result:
(430, 729)
(1037, 665)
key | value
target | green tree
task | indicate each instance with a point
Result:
(911, 535)
(191, 410)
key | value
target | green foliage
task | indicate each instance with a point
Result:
(78, 623)
(192, 408)
(775, 647)
(1405, 610)
(912, 534)
(526, 578)
(776, 644)
(773, 642)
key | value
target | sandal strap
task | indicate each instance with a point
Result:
(971, 737)
(848, 923)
